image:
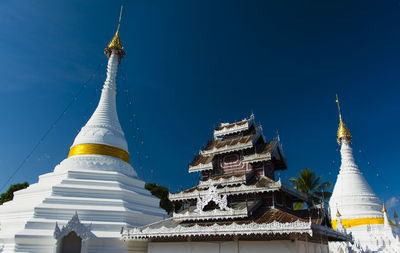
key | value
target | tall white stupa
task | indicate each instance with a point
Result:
(90, 196)
(355, 207)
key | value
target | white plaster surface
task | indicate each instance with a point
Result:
(237, 246)
(352, 194)
(354, 199)
(104, 191)
(104, 127)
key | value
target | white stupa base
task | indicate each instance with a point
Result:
(103, 191)
(370, 238)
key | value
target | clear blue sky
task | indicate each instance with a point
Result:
(191, 64)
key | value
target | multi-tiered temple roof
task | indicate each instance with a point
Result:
(238, 194)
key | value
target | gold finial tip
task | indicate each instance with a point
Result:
(116, 43)
(343, 131)
(384, 208)
(395, 215)
(337, 213)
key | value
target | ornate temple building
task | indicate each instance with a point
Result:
(82, 205)
(356, 209)
(238, 204)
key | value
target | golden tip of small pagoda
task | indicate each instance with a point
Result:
(115, 44)
(395, 215)
(337, 213)
(384, 208)
(343, 131)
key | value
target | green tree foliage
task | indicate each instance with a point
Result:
(307, 182)
(9, 194)
(161, 192)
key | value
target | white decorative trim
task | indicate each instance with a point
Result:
(227, 148)
(76, 226)
(242, 189)
(213, 214)
(224, 181)
(234, 129)
(212, 195)
(256, 158)
(215, 229)
(97, 162)
(201, 167)
(231, 148)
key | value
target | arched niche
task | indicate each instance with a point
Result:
(70, 243)
(73, 237)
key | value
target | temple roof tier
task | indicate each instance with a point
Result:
(197, 191)
(272, 222)
(213, 214)
(242, 189)
(262, 153)
(220, 146)
(231, 128)
(239, 178)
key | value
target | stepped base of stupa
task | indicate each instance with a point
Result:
(92, 194)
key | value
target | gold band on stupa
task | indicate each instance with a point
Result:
(99, 149)
(348, 223)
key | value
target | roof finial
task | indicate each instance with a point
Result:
(116, 42)
(343, 131)
(338, 105)
(120, 16)
(384, 210)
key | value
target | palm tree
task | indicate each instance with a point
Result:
(309, 183)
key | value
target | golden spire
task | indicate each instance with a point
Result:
(337, 213)
(116, 43)
(343, 131)
(395, 215)
(384, 208)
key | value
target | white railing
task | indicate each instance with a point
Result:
(201, 167)
(213, 214)
(216, 229)
(235, 128)
(224, 181)
(257, 158)
(227, 148)
(242, 189)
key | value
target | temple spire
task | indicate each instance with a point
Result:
(386, 222)
(352, 194)
(102, 134)
(343, 131)
(116, 44)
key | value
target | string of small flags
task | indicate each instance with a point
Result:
(52, 126)
(142, 154)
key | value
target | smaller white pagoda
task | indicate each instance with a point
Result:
(356, 209)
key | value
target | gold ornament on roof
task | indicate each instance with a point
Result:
(116, 43)
(343, 131)
(384, 209)
(337, 213)
(395, 215)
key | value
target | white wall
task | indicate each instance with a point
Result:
(232, 247)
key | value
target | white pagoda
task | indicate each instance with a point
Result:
(356, 209)
(83, 204)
